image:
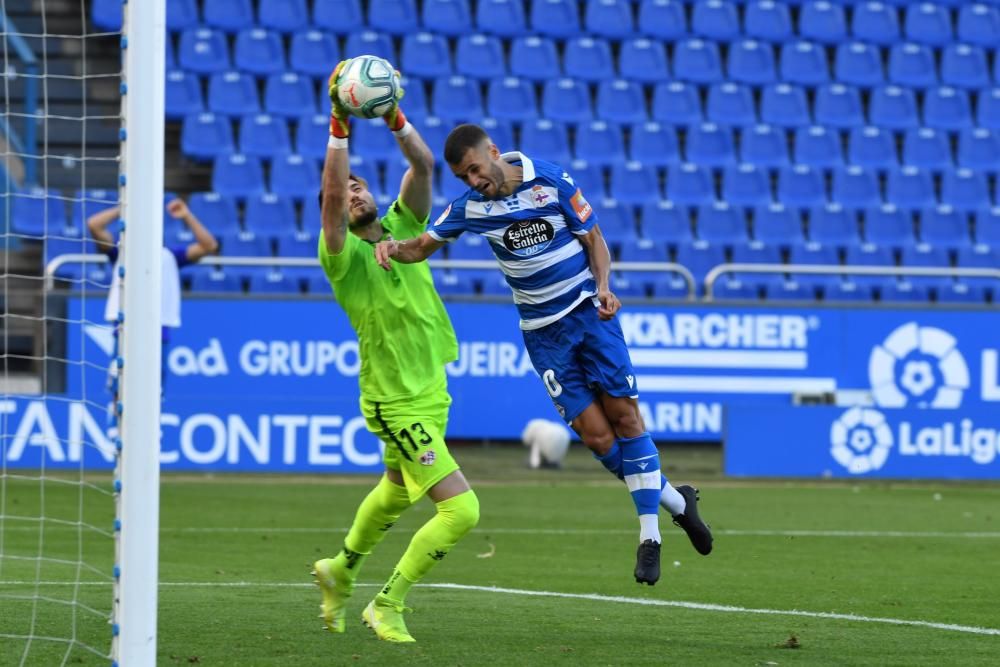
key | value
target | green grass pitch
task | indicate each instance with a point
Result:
(235, 586)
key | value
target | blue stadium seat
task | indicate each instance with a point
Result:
(233, 94)
(988, 228)
(823, 22)
(228, 15)
(296, 244)
(395, 169)
(238, 175)
(847, 291)
(297, 177)
(746, 185)
(927, 148)
(912, 65)
(980, 255)
(756, 252)
(888, 225)
(721, 223)
(903, 291)
(665, 221)
(566, 100)
(361, 167)
(456, 98)
(872, 147)
(698, 61)
(988, 109)
(309, 219)
(979, 24)
(505, 18)
(269, 214)
(964, 66)
(343, 17)
(710, 145)
(245, 244)
(767, 20)
(715, 19)
(789, 289)
(621, 101)
(643, 250)
(642, 60)
(589, 178)
(729, 104)
(894, 108)
(170, 55)
(216, 211)
(801, 186)
(867, 254)
(283, 15)
(470, 246)
(534, 58)
(947, 108)
(273, 281)
(628, 284)
(182, 95)
(979, 148)
(396, 17)
(426, 55)
(910, 188)
(662, 19)
(945, 227)
(784, 106)
(311, 135)
(88, 202)
(37, 211)
(653, 144)
(733, 289)
(803, 63)
(369, 42)
(546, 139)
(289, 95)
(690, 184)
(416, 98)
(814, 253)
(616, 220)
(818, 146)
(588, 59)
(838, 106)
(965, 189)
(751, 61)
(600, 143)
(555, 18)
(961, 293)
(924, 255)
(447, 17)
(699, 257)
(203, 51)
(635, 183)
(434, 132)
(214, 279)
(875, 22)
(312, 52)
(181, 14)
(259, 52)
(264, 136)
(500, 131)
(928, 23)
(512, 98)
(676, 103)
(479, 57)
(449, 282)
(764, 146)
(855, 187)
(608, 18)
(206, 136)
(777, 225)
(858, 64)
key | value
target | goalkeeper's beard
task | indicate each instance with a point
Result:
(363, 219)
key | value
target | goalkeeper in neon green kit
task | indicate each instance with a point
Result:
(405, 339)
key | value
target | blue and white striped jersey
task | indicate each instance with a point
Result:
(533, 235)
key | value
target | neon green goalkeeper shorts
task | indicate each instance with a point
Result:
(413, 438)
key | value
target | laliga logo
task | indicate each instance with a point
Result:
(918, 365)
(860, 440)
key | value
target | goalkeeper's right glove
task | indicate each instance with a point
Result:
(340, 124)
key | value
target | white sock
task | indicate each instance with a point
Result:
(649, 528)
(671, 500)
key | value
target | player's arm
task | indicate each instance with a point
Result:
(600, 266)
(98, 225)
(409, 251)
(336, 169)
(415, 188)
(204, 243)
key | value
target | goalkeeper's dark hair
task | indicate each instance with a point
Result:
(350, 177)
(461, 139)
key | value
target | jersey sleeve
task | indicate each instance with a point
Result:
(336, 267)
(450, 224)
(403, 221)
(580, 216)
(180, 255)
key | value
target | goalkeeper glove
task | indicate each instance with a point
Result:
(395, 118)
(340, 124)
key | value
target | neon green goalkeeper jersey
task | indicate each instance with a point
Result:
(404, 335)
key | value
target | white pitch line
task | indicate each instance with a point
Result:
(594, 597)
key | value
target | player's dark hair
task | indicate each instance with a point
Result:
(461, 139)
(350, 177)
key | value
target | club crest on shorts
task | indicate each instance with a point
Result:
(428, 457)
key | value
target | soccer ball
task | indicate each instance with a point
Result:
(368, 86)
(548, 441)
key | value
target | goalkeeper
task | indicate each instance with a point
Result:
(405, 339)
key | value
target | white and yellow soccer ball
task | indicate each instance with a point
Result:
(368, 86)
(548, 441)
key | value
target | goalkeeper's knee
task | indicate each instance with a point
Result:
(459, 513)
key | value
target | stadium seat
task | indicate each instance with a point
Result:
(927, 148)
(823, 22)
(434, 132)
(588, 59)
(977, 256)
(961, 293)
(87, 202)
(600, 143)
(912, 65)
(817, 146)
(755, 252)
(838, 106)
(203, 51)
(470, 246)
(676, 103)
(801, 186)
(369, 42)
(500, 131)
(617, 219)
(206, 136)
(965, 189)
(228, 15)
(643, 250)
(555, 18)
(396, 17)
(979, 148)
(182, 95)
(273, 281)
(947, 108)
(894, 108)
(943, 226)
(729, 104)
(621, 101)
(635, 183)
(546, 138)
(871, 147)
(988, 228)
(37, 211)
(690, 184)
(628, 284)
(311, 53)
(789, 289)
(259, 52)
(665, 221)
(448, 282)
(924, 254)
(566, 100)
(777, 225)
(216, 211)
(643, 60)
(735, 289)
(784, 106)
(721, 223)
(269, 214)
(764, 146)
(534, 58)
(214, 279)
(869, 255)
(456, 98)
(181, 14)
(416, 98)
(903, 291)
(505, 18)
(264, 136)
(589, 178)
(653, 144)
(662, 19)
(511, 98)
(289, 95)
(447, 17)
(910, 188)
(888, 225)
(425, 55)
(238, 175)
(964, 66)
(988, 109)
(979, 24)
(875, 22)
(343, 17)
(768, 21)
(366, 169)
(715, 19)
(698, 61)
(855, 187)
(232, 94)
(311, 135)
(750, 61)
(296, 244)
(847, 291)
(814, 253)
(928, 23)
(608, 18)
(710, 145)
(479, 57)
(297, 177)
(803, 63)
(746, 185)
(699, 257)
(283, 15)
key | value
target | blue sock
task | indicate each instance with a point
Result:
(641, 471)
(612, 461)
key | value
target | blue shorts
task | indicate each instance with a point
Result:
(579, 357)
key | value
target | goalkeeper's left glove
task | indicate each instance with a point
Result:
(340, 124)
(395, 118)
